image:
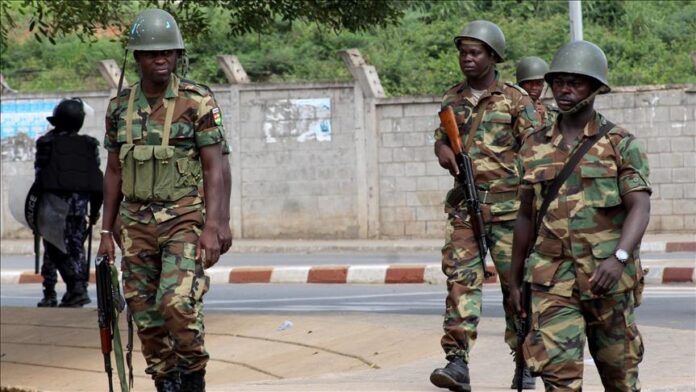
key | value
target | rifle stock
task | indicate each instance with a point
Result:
(467, 179)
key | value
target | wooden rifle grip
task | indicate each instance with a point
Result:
(105, 335)
(449, 122)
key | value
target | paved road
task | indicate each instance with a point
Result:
(672, 306)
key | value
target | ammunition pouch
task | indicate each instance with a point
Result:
(157, 173)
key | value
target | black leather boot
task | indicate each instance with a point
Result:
(75, 297)
(528, 381)
(49, 300)
(75, 300)
(193, 382)
(168, 384)
(454, 376)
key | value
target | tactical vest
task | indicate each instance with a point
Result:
(72, 166)
(161, 173)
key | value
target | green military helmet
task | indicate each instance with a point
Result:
(487, 32)
(531, 68)
(154, 29)
(582, 58)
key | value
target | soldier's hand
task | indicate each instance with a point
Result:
(606, 275)
(515, 301)
(225, 238)
(446, 159)
(106, 247)
(208, 249)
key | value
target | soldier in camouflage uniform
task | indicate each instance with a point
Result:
(164, 136)
(584, 270)
(60, 148)
(504, 113)
(530, 76)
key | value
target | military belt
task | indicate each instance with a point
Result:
(486, 197)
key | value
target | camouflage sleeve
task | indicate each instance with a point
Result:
(110, 136)
(526, 119)
(208, 126)
(440, 133)
(633, 166)
(519, 162)
(226, 150)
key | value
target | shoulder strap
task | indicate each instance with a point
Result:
(129, 115)
(474, 126)
(555, 186)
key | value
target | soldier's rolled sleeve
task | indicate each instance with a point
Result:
(633, 169)
(110, 136)
(208, 126)
(440, 135)
(526, 118)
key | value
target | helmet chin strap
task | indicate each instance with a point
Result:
(585, 102)
(182, 64)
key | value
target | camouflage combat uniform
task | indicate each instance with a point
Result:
(581, 229)
(546, 114)
(508, 115)
(163, 283)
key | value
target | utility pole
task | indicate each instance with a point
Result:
(575, 14)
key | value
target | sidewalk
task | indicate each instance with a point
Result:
(659, 271)
(58, 350)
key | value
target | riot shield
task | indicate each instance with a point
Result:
(17, 197)
(51, 219)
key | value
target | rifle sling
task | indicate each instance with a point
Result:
(475, 124)
(118, 347)
(552, 190)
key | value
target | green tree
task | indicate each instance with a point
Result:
(51, 19)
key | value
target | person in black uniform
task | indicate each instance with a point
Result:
(67, 166)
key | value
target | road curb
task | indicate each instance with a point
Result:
(26, 247)
(355, 274)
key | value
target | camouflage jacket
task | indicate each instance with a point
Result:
(583, 224)
(196, 123)
(508, 115)
(546, 114)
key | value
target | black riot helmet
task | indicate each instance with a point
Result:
(68, 115)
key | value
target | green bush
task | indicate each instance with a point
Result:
(646, 42)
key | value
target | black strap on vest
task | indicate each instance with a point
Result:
(555, 186)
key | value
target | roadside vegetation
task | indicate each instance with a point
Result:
(647, 42)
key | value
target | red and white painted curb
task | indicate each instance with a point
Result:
(356, 274)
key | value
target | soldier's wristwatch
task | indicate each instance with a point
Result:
(621, 255)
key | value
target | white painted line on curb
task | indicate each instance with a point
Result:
(10, 277)
(433, 275)
(290, 274)
(219, 274)
(654, 275)
(657, 246)
(367, 274)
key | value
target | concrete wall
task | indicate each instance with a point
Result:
(376, 175)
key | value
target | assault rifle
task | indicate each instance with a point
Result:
(109, 304)
(105, 313)
(466, 178)
(522, 331)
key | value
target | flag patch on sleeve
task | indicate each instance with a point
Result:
(217, 116)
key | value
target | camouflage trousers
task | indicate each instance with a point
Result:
(164, 287)
(72, 265)
(462, 265)
(555, 344)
